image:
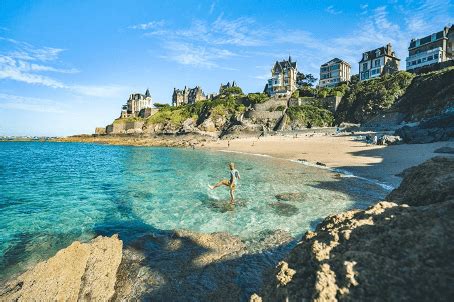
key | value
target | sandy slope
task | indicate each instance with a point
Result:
(344, 151)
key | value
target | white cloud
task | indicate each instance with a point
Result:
(199, 56)
(148, 25)
(331, 10)
(25, 64)
(213, 4)
(15, 102)
(99, 91)
(17, 70)
(37, 67)
(237, 32)
(428, 13)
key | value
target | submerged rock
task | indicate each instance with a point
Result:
(388, 252)
(293, 196)
(284, 209)
(82, 271)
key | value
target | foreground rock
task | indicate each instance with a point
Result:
(388, 252)
(190, 266)
(82, 271)
(170, 266)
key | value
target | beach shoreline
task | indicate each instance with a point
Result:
(345, 152)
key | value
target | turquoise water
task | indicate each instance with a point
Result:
(54, 193)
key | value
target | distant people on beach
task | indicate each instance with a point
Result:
(231, 183)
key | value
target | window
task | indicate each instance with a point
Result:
(424, 59)
(419, 61)
(365, 56)
(435, 56)
(430, 58)
(377, 62)
(413, 63)
(364, 66)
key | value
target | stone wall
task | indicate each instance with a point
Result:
(125, 127)
(149, 112)
(329, 103)
(273, 103)
(264, 115)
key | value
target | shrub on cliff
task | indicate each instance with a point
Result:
(173, 115)
(368, 98)
(307, 114)
(218, 107)
(232, 90)
(428, 95)
(257, 98)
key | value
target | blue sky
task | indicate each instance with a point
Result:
(68, 66)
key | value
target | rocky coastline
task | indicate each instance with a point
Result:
(399, 249)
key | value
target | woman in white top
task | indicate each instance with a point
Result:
(231, 183)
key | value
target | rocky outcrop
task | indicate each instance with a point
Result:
(191, 266)
(82, 271)
(388, 252)
(439, 128)
(430, 182)
(168, 266)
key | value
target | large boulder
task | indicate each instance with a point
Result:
(430, 182)
(388, 252)
(208, 125)
(439, 128)
(82, 271)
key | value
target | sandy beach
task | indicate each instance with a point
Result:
(344, 152)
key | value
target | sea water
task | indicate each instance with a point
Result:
(54, 193)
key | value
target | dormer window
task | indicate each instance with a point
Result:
(365, 56)
(377, 53)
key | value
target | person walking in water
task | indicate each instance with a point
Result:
(231, 183)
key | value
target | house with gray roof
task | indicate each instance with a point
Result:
(283, 78)
(377, 62)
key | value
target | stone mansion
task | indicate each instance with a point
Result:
(137, 105)
(187, 96)
(283, 78)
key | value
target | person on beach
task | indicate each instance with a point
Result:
(231, 183)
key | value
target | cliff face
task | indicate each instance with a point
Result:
(82, 271)
(388, 252)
